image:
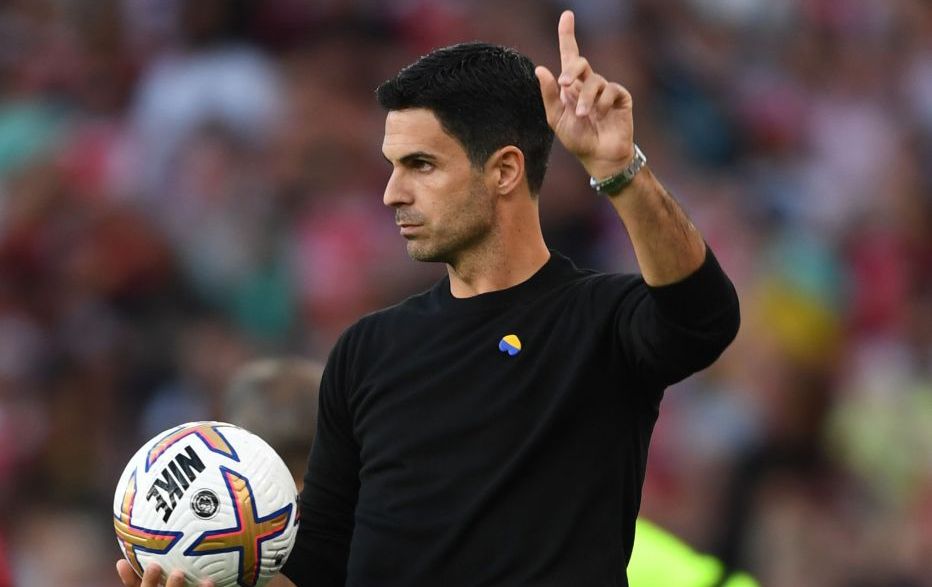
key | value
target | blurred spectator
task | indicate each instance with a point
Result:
(276, 399)
(6, 578)
(207, 352)
(57, 546)
(211, 77)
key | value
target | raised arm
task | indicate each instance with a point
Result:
(592, 117)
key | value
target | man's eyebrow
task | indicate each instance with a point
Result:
(412, 157)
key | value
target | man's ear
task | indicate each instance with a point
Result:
(506, 169)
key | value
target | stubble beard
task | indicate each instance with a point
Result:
(474, 225)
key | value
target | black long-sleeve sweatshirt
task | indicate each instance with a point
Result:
(499, 439)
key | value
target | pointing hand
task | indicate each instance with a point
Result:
(590, 115)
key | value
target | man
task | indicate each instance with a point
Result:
(494, 429)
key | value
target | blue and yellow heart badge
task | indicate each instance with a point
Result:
(510, 344)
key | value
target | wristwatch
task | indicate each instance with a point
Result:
(612, 185)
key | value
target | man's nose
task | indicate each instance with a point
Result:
(396, 193)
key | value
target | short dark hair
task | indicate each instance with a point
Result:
(486, 96)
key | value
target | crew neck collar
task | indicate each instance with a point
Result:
(550, 274)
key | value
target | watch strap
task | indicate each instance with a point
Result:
(612, 185)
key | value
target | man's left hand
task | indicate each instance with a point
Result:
(590, 115)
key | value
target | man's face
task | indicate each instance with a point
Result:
(442, 205)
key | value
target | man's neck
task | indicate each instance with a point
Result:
(497, 266)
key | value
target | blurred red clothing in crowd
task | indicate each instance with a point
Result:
(6, 579)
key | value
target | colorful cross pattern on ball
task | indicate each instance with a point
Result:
(134, 537)
(208, 433)
(250, 531)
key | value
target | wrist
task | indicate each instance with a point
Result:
(610, 179)
(603, 168)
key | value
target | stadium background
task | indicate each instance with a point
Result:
(187, 186)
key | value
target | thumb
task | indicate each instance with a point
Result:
(551, 94)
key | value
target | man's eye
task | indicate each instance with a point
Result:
(422, 165)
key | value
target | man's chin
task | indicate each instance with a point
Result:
(419, 252)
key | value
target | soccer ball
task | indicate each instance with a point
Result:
(210, 499)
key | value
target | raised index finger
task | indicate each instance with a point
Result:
(566, 31)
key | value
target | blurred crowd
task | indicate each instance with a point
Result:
(188, 186)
